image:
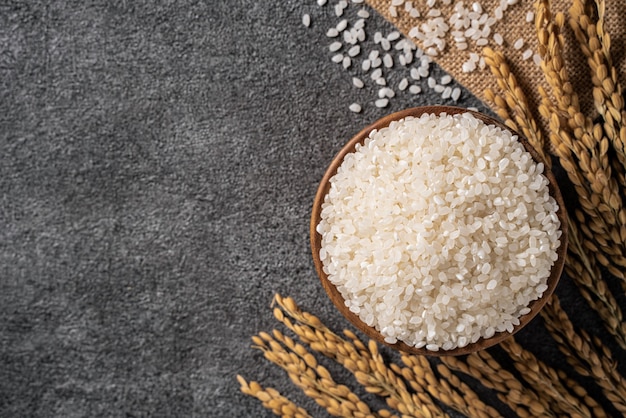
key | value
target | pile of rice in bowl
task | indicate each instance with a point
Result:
(439, 230)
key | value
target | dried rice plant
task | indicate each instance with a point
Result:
(584, 146)
(272, 400)
(313, 378)
(554, 384)
(370, 370)
(448, 388)
(607, 91)
(522, 400)
(519, 117)
(365, 362)
(588, 357)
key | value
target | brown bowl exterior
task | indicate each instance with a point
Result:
(336, 297)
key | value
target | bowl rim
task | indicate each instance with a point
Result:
(333, 292)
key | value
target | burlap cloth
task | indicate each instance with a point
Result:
(512, 27)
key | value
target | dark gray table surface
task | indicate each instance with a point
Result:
(158, 161)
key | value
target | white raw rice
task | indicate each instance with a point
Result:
(414, 89)
(382, 102)
(439, 230)
(456, 94)
(337, 58)
(355, 107)
(338, 10)
(393, 36)
(527, 54)
(388, 61)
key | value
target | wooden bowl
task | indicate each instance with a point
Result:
(336, 297)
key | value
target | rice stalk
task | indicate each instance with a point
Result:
(312, 378)
(524, 401)
(448, 389)
(583, 269)
(516, 100)
(607, 91)
(589, 357)
(599, 195)
(272, 400)
(548, 381)
(580, 265)
(596, 409)
(363, 361)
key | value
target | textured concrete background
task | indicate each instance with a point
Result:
(158, 161)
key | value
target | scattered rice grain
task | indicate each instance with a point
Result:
(393, 36)
(335, 46)
(354, 51)
(355, 107)
(388, 61)
(456, 94)
(382, 102)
